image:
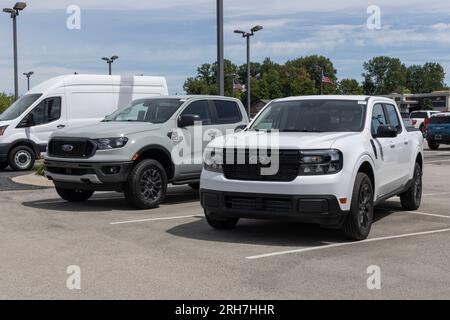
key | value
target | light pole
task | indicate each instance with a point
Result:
(14, 12)
(109, 61)
(247, 35)
(28, 75)
(220, 54)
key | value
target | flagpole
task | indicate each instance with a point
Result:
(321, 81)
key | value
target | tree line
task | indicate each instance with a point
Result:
(302, 76)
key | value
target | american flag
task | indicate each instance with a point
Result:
(326, 79)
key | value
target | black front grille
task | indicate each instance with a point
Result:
(258, 204)
(71, 148)
(288, 168)
(70, 171)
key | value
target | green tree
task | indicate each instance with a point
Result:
(384, 75)
(425, 79)
(350, 86)
(313, 65)
(5, 101)
(427, 104)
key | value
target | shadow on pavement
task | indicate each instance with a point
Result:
(272, 233)
(111, 201)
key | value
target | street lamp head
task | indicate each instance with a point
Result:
(257, 28)
(19, 6)
(239, 31)
(114, 58)
(8, 10)
(106, 59)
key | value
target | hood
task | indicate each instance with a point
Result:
(108, 130)
(5, 123)
(286, 140)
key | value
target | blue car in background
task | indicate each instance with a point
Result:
(438, 131)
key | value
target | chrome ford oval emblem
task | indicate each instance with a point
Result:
(67, 147)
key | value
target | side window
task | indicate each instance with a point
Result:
(378, 118)
(47, 111)
(393, 117)
(227, 111)
(200, 108)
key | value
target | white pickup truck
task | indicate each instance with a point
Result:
(323, 160)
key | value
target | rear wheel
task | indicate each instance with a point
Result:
(360, 218)
(74, 195)
(21, 158)
(220, 223)
(433, 145)
(146, 185)
(412, 198)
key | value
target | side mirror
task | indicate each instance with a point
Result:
(187, 120)
(240, 128)
(385, 131)
(27, 121)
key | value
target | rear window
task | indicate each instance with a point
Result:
(419, 115)
(227, 111)
(440, 120)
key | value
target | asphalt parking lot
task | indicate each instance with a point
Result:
(171, 253)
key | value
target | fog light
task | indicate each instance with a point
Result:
(111, 170)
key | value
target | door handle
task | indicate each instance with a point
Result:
(392, 146)
(61, 126)
(406, 142)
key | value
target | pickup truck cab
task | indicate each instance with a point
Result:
(438, 130)
(419, 118)
(326, 160)
(141, 148)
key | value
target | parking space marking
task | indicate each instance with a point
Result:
(416, 212)
(435, 194)
(155, 219)
(435, 161)
(342, 244)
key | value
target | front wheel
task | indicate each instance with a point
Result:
(433, 145)
(412, 198)
(74, 195)
(146, 185)
(359, 220)
(21, 158)
(220, 223)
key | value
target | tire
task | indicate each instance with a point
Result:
(433, 145)
(21, 158)
(3, 165)
(359, 220)
(195, 186)
(74, 195)
(220, 223)
(412, 198)
(146, 185)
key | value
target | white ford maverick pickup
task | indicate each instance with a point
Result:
(326, 160)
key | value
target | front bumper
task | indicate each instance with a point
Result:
(317, 209)
(4, 148)
(88, 175)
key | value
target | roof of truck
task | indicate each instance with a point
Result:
(332, 97)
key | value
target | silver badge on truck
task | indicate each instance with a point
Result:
(67, 147)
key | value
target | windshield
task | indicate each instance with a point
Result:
(312, 116)
(147, 110)
(440, 119)
(19, 107)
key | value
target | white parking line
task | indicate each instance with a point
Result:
(154, 219)
(435, 194)
(346, 244)
(434, 161)
(416, 212)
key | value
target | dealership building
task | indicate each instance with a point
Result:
(416, 101)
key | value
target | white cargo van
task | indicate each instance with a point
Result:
(65, 102)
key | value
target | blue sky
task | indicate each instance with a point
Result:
(172, 37)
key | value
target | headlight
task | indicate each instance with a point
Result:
(319, 162)
(110, 143)
(213, 159)
(2, 130)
